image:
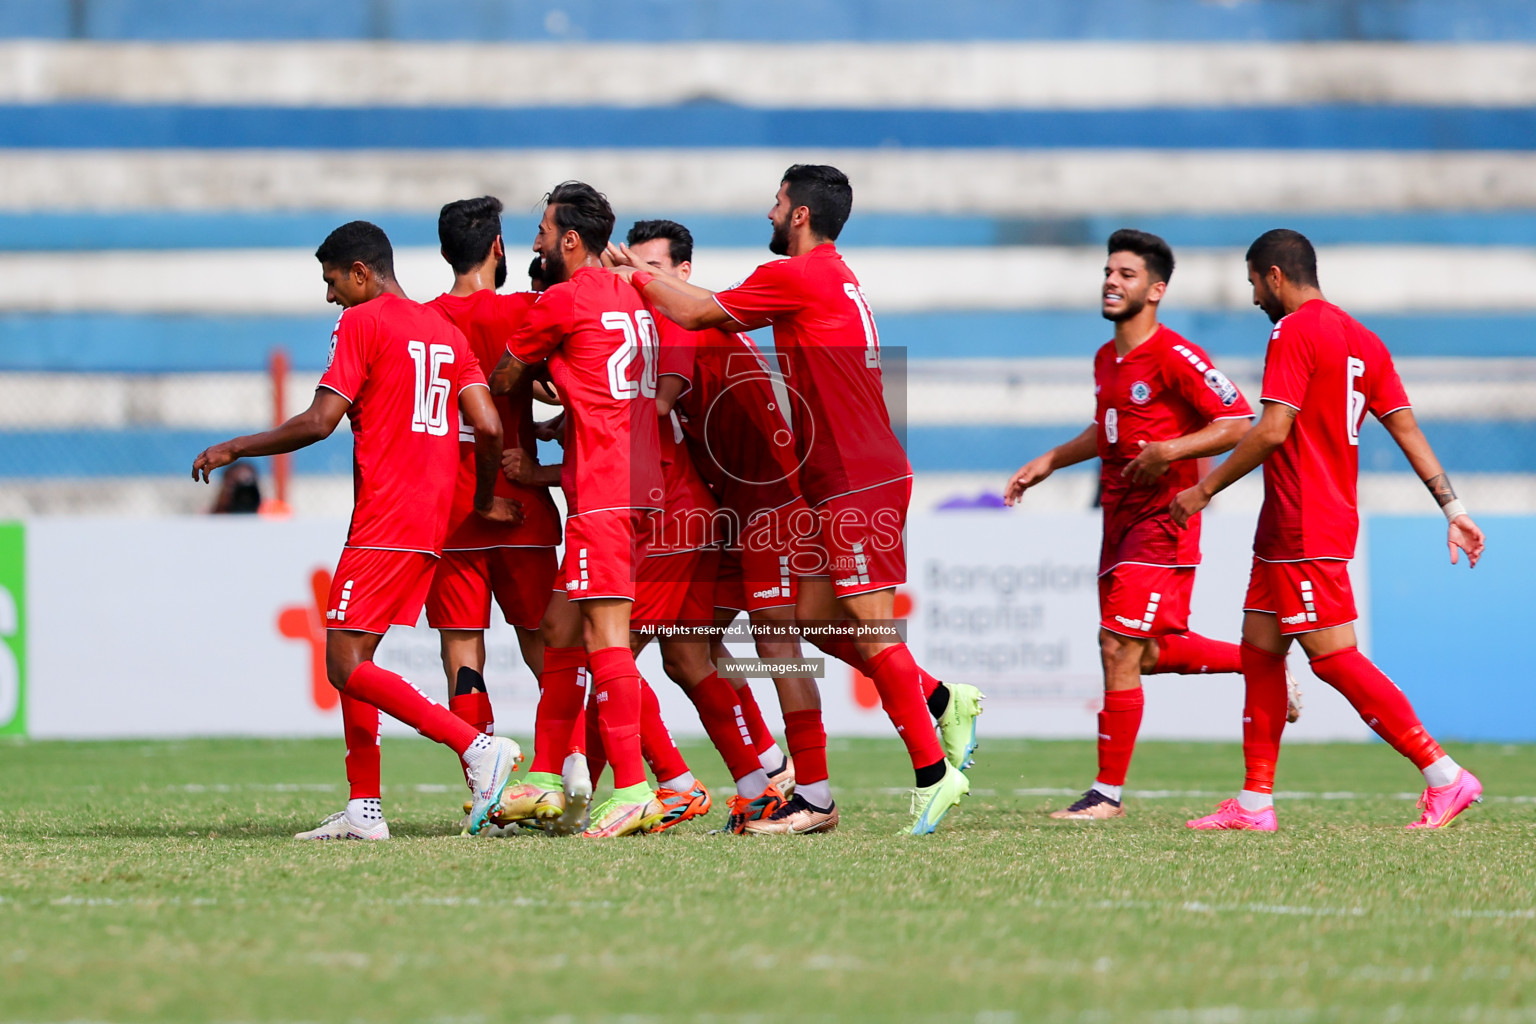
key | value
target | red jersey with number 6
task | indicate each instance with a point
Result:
(401, 367)
(829, 352)
(488, 320)
(601, 344)
(1323, 363)
(1163, 388)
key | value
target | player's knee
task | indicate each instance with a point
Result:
(1116, 649)
(339, 666)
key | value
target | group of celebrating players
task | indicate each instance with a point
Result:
(700, 482)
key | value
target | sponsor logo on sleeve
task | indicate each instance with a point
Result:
(1224, 388)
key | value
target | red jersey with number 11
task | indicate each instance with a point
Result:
(1323, 363)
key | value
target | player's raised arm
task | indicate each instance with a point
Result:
(1080, 449)
(313, 424)
(1461, 531)
(1261, 441)
(686, 305)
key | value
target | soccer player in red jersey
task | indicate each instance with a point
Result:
(1323, 372)
(398, 371)
(1162, 405)
(854, 473)
(600, 342)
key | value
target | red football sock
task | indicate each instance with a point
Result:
(397, 698)
(579, 743)
(597, 758)
(1380, 703)
(928, 682)
(360, 728)
(562, 692)
(721, 713)
(895, 675)
(845, 651)
(474, 709)
(1119, 723)
(616, 681)
(656, 741)
(1192, 654)
(807, 745)
(1263, 716)
(762, 738)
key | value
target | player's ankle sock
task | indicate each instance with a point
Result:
(762, 738)
(681, 783)
(1248, 800)
(397, 698)
(931, 774)
(360, 728)
(817, 794)
(937, 696)
(1113, 792)
(1193, 654)
(1263, 716)
(616, 682)
(752, 784)
(634, 794)
(807, 739)
(656, 742)
(1441, 772)
(772, 759)
(474, 709)
(720, 712)
(1380, 703)
(895, 678)
(468, 680)
(562, 692)
(544, 780)
(365, 811)
(1119, 723)
(597, 757)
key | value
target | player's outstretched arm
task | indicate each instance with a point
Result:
(477, 409)
(1215, 438)
(686, 305)
(510, 374)
(1261, 441)
(1461, 532)
(1080, 449)
(313, 424)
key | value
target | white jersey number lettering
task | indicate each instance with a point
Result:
(1112, 426)
(429, 411)
(1356, 381)
(640, 342)
(871, 336)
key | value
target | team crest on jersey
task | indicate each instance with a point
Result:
(1224, 388)
(331, 358)
(1141, 392)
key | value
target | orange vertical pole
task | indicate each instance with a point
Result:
(277, 506)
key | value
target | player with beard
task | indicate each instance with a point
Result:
(600, 344)
(854, 474)
(1323, 371)
(1162, 406)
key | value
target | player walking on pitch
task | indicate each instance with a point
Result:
(1323, 372)
(398, 371)
(855, 474)
(1162, 405)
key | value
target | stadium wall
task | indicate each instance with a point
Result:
(197, 627)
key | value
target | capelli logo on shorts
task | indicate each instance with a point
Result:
(1294, 620)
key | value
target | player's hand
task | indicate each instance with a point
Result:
(517, 466)
(1151, 463)
(507, 511)
(1463, 533)
(1187, 504)
(217, 457)
(616, 255)
(1029, 474)
(552, 429)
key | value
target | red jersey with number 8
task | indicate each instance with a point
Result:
(401, 367)
(829, 353)
(1323, 363)
(601, 344)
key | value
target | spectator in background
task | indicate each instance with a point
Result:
(239, 490)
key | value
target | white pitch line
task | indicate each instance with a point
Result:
(1208, 794)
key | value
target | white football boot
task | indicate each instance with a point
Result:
(576, 782)
(488, 778)
(339, 826)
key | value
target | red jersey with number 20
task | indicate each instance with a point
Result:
(1323, 363)
(401, 365)
(829, 352)
(601, 344)
(1163, 388)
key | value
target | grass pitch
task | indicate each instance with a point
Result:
(157, 881)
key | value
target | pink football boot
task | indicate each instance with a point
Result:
(1441, 804)
(1230, 815)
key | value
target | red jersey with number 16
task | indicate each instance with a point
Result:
(401, 367)
(600, 341)
(1323, 363)
(829, 352)
(1163, 388)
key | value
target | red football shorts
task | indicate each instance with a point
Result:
(758, 574)
(1146, 600)
(375, 589)
(520, 579)
(676, 588)
(859, 540)
(1304, 596)
(603, 552)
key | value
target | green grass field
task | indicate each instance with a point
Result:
(157, 881)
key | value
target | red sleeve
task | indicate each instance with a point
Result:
(678, 349)
(1387, 392)
(549, 320)
(1287, 365)
(768, 292)
(348, 367)
(1191, 373)
(470, 372)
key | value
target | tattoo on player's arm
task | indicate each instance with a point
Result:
(1440, 486)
